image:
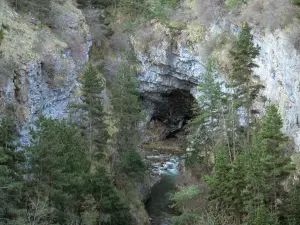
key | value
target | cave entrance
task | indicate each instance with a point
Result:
(166, 132)
(170, 115)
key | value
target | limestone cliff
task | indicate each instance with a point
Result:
(44, 61)
(172, 61)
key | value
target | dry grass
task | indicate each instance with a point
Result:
(153, 34)
(221, 45)
(268, 13)
(204, 12)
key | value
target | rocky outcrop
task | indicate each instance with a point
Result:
(169, 64)
(279, 69)
(46, 61)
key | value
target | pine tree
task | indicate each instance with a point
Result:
(277, 165)
(228, 183)
(1, 35)
(58, 164)
(261, 216)
(204, 128)
(126, 109)
(11, 172)
(242, 78)
(219, 181)
(266, 165)
(111, 209)
(39, 8)
(94, 119)
(126, 113)
(291, 206)
(96, 3)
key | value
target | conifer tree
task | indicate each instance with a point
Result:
(219, 181)
(266, 165)
(58, 164)
(11, 172)
(261, 216)
(242, 78)
(204, 128)
(126, 109)
(276, 164)
(291, 207)
(94, 115)
(110, 207)
(126, 113)
(229, 184)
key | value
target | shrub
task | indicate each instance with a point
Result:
(195, 33)
(295, 1)
(133, 164)
(269, 13)
(1, 35)
(39, 8)
(234, 3)
(94, 3)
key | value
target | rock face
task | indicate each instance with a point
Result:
(44, 73)
(169, 64)
(169, 73)
(279, 69)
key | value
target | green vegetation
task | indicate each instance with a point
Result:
(126, 109)
(68, 176)
(1, 35)
(295, 2)
(96, 3)
(146, 9)
(93, 121)
(243, 164)
(11, 172)
(126, 113)
(40, 8)
(246, 88)
(234, 3)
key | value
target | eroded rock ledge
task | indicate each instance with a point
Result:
(170, 64)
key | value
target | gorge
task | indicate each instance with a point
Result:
(43, 60)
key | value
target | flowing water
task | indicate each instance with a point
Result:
(158, 204)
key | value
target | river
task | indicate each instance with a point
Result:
(158, 203)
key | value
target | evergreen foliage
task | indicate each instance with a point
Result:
(93, 117)
(180, 198)
(1, 35)
(255, 176)
(11, 172)
(40, 8)
(133, 164)
(291, 207)
(126, 109)
(275, 165)
(96, 3)
(261, 216)
(248, 170)
(111, 209)
(61, 173)
(58, 164)
(246, 88)
(297, 2)
(205, 126)
(126, 113)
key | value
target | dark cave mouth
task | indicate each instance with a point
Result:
(171, 114)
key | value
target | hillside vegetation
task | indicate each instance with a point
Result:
(86, 169)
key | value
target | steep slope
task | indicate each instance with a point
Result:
(41, 63)
(174, 54)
